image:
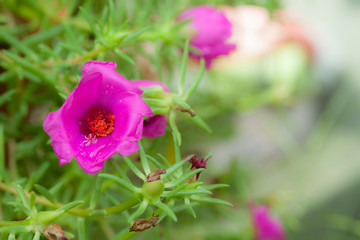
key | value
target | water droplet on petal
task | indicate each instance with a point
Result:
(93, 153)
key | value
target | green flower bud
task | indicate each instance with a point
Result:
(153, 190)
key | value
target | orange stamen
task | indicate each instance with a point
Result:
(102, 124)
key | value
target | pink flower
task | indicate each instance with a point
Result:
(153, 126)
(212, 28)
(101, 117)
(266, 226)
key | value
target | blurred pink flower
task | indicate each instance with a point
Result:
(256, 34)
(266, 226)
(212, 31)
(101, 117)
(153, 126)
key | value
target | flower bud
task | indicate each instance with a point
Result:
(198, 163)
(54, 232)
(155, 175)
(153, 190)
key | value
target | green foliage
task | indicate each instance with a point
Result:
(43, 46)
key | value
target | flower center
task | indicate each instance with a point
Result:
(102, 123)
(97, 123)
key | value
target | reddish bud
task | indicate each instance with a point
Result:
(54, 232)
(198, 163)
(155, 175)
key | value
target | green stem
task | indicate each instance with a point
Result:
(10, 223)
(75, 211)
(122, 206)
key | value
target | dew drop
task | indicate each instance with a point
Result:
(93, 153)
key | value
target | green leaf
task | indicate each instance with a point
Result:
(103, 18)
(21, 207)
(124, 56)
(189, 207)
(134, 35)
(111, 14)
(187, 192)
(6, 96)
(12, 236)
(44, 192)
(81, 227)
(95, 194)
(22, 196)
(91, 22)
(43, 35)
(183, 178)
(47, 217)
(63, 96)
(155, 162)
(164, 160)
(214, 186)
(28, 66)
(211, 200)
(40, 172)
(33, 202)
(183, 67)
(199, 122)
(119, 180)
(174, 191)
(140, 210)
(181, 102)
(166, 209)
(195, 84)
(173, 168)
(59, 184)
(70, 205)
(174, 128)
(19, 45)
(144, 161)
(37, 235)
(6, 76)
(208, 155)
(176, 148)
(134, 169)
(121, 171)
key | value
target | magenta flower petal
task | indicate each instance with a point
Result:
(101, 117)
(154, 126)
(266, 226)
(213, 29)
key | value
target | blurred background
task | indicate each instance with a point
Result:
(283, 108)
(293, 141)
